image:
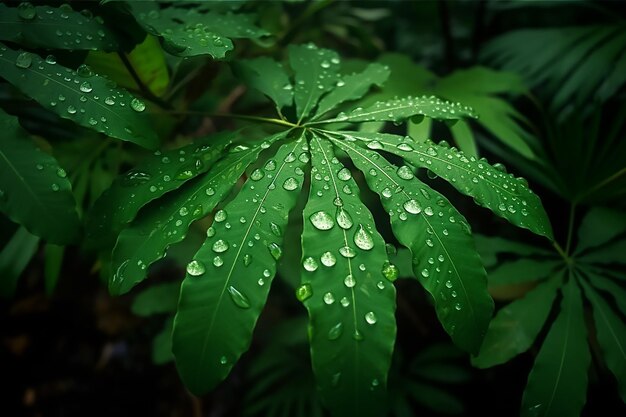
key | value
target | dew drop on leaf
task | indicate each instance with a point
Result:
(343, 219)
(290, 184)
(370, 317)
(218, 261)
(304, 292)
(405, 172)
(210, 232)
(220, 246)
(275, 250)
(257, 174)
(195, 268)
(309, 264)
(374, 145)
(238, 298)
(329, 298)
(276, 231)
(321, 220)
(349, 281)
(344, 302)
(390, 271)
(425, 273)
(344, 174)
(335, 332)
(24, 60)
(220, 216)
(412, 207)
(328, 259)
(363, 239)
(26, 11)
(347, 252)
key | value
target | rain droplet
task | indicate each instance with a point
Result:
(322, 220)
(448, 284)
(86, 87)
(363, 239)
(24, 60)
(290, 184)
(304, 292)
(55, 187)
(335, 332)
(329, 298)
(380, 285)
(328, 259)
(275, 250)
(195, 268)
(276, 231)
(257, 174)
(84, 71)
(220, 216)
(218, 261)
(61, 173)
(349, 281)
(374, 145)
(347, 252)
(247, 259)
(405, 172)
(238, 298)
(412, 207)
(429, 211)
(220, 246)
(309, 264)
(344, 302)
(425, 273)
(210, 232)
(26, 11)
(390, 271)
(370, 317)
(343, 219)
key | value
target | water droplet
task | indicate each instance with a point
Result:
(86, 87)
(309, 264)
(329, 298)
(210, 232)
(431, 151)
(247, 259)
(405, 147)
(304, 292)
(257, 174)
(380, 285)
(343, 219)
(374, 145)
(322, 220)
(391, 250)
(275, 250)
(363, 239)
(344, 302)
(405, 172)
(223, 360)
(50, 59)
(220, 216)
(61, 173)
(270, 165)
(425, 273)
(24, 60)
(55, 187)
(290, 184)
(412, 207)
(499, 167)
(137, 105)
(370, 317)
(220, 246)
(347, 252)
(457, 306)
(26, 11)
(260, 282)
(448, 284)
(218, 261)
(357, 335)
(390, 271)
(335, 332)
(349, 281)
(195, 268)
(328, 259)
(84, 71)
(429, 211)
(238, 298)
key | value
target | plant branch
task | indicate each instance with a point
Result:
(570, 227)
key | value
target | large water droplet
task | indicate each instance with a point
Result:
(344, 302)
(344, 174)
(304, 292)
(220, 216)
(329, 298)
(328, 259)
(347, 252)
(349, 281)
(275, 250)
(370, 317)
(363, 239)
(343, 219)
(238, 298)
(257, 174)
(322, 220)
(220, 246)
(26, 11)
(290, 184)
(335, 332)
(309, 264)
(412, 206)
(374, 145)
(84, 71)
(24, 60)
(195, 268)
(86, 87)
(276, 231)
(390, 271)
(405, 172)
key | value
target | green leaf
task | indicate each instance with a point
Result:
(523, 270)
(557, 383)
(502, 193)
(444, 259)
(190, 32)
(491, 246)
(617, 292)
(315, 73)
(599, 226)
(267, 76)
(609, 254)
(54, 28)
(398, 110)
(353, 87)
(53, 261)
(80, 96)
(516, 326)
(162, 344)
(350, 303)
(34, 190)
(434, 398)
(159, 174)
(14, 258)
(149, 237)
(611, 334)
(157, 299)
(228, 281)
(147, 60)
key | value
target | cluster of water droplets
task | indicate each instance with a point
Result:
(68, 29)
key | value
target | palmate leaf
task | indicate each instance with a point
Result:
(190, 32)
(502, 193)
(159, 174)
(34, 190)
(516, 326)
(55, 28)
(351, 306)
(437, 235)
(267, 76)
(80, 96)
(557, 384)
(148, 238)
(228, 281)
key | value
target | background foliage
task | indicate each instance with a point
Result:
(137, 140)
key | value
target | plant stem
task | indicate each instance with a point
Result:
(142, 87)
(561, 252)
(236, 116)
(602, 183)
(570, 227)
